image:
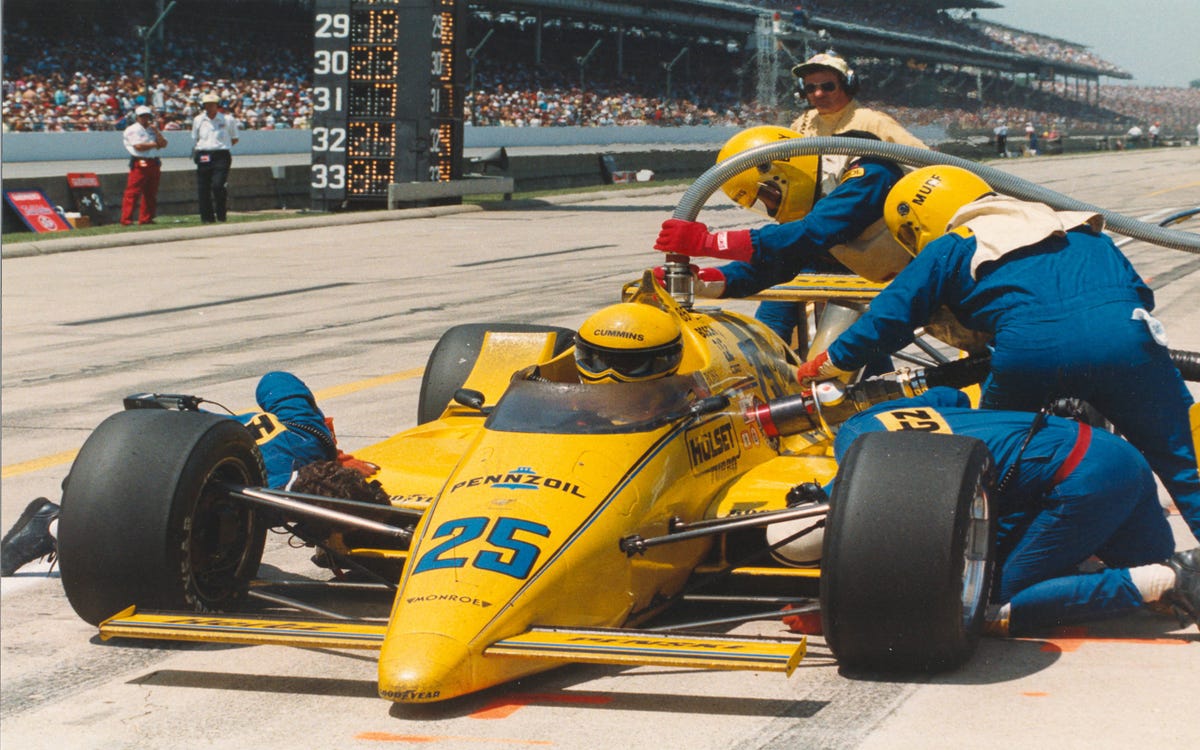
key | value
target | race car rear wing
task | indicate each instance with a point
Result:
(818, 287)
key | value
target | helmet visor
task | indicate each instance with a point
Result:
(907, 237)
(598, 363)
(768, 199)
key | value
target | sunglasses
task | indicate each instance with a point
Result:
(828, 87)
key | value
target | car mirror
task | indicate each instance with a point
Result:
(469, 398)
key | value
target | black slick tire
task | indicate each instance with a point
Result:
(454, 356)
(908, 552)
(146, 520)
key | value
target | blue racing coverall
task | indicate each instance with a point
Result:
(1069, 316)
(290, 430)
(1076, 492)
(781, 251)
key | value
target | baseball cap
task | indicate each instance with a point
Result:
(823, 60)
(142, 110)
(210, 98)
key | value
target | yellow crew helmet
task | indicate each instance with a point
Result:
(626, 343)
(919, 207)
(784, 189)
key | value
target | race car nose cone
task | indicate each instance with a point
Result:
(425, 667)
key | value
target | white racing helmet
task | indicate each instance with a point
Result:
(801, 552)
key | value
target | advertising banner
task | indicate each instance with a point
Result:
(84, 188)
(36, 210)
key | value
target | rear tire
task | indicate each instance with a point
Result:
(452, 360)
(908, 553)
(146, 521)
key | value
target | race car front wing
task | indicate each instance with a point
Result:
(592, 645)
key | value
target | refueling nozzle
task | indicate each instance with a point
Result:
(678, 280)
(832, 402)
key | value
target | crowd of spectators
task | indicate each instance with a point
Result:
(54, 82)
(524, 95)
(1118, 106)
(1047, 48)
(1176, 109)
(94, 82)
(926, 21)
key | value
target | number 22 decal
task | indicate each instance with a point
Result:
(463, 530)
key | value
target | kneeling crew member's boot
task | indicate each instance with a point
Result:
(29, 538)
(1184, 596)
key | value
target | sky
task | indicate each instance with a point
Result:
(1157, 41)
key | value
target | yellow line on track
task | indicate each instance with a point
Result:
(37, 464)
(325, 394)
(342, 390)
(1172, 189)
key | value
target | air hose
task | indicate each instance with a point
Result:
(708, 183)
(1188, 364)
(836, 402)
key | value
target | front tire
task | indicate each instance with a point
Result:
(908, 553)
(146, 519)
(451, 361)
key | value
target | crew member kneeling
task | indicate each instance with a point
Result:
(1066, 493)
(1069, 314)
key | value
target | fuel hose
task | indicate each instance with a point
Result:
(1002, 182)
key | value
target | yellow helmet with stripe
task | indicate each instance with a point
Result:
(628, 342)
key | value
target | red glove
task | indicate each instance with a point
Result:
(820, 367)
(808, 623)
(693, 238)
(366, 468)
(710, 282)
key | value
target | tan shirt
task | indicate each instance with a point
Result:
(855, 117)
(1002, 224)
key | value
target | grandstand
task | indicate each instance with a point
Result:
(72, 65)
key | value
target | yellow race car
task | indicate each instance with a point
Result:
(537, 520)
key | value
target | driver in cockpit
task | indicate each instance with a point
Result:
(628, 343)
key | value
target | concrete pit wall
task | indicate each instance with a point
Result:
(569, 158)
(250, 189)
(257, 189)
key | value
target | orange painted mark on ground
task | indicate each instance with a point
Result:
(423, 738)
(508, 705)
(1035, 694)
(1067, 640)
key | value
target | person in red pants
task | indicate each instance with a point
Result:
(142, 138)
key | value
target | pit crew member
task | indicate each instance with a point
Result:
(829, 87)
(1069, 314)
(829, 214)
(291, 431)
(1066, 492)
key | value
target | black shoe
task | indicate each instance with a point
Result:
(321, 559)
(1185, 595)
(30, 538)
